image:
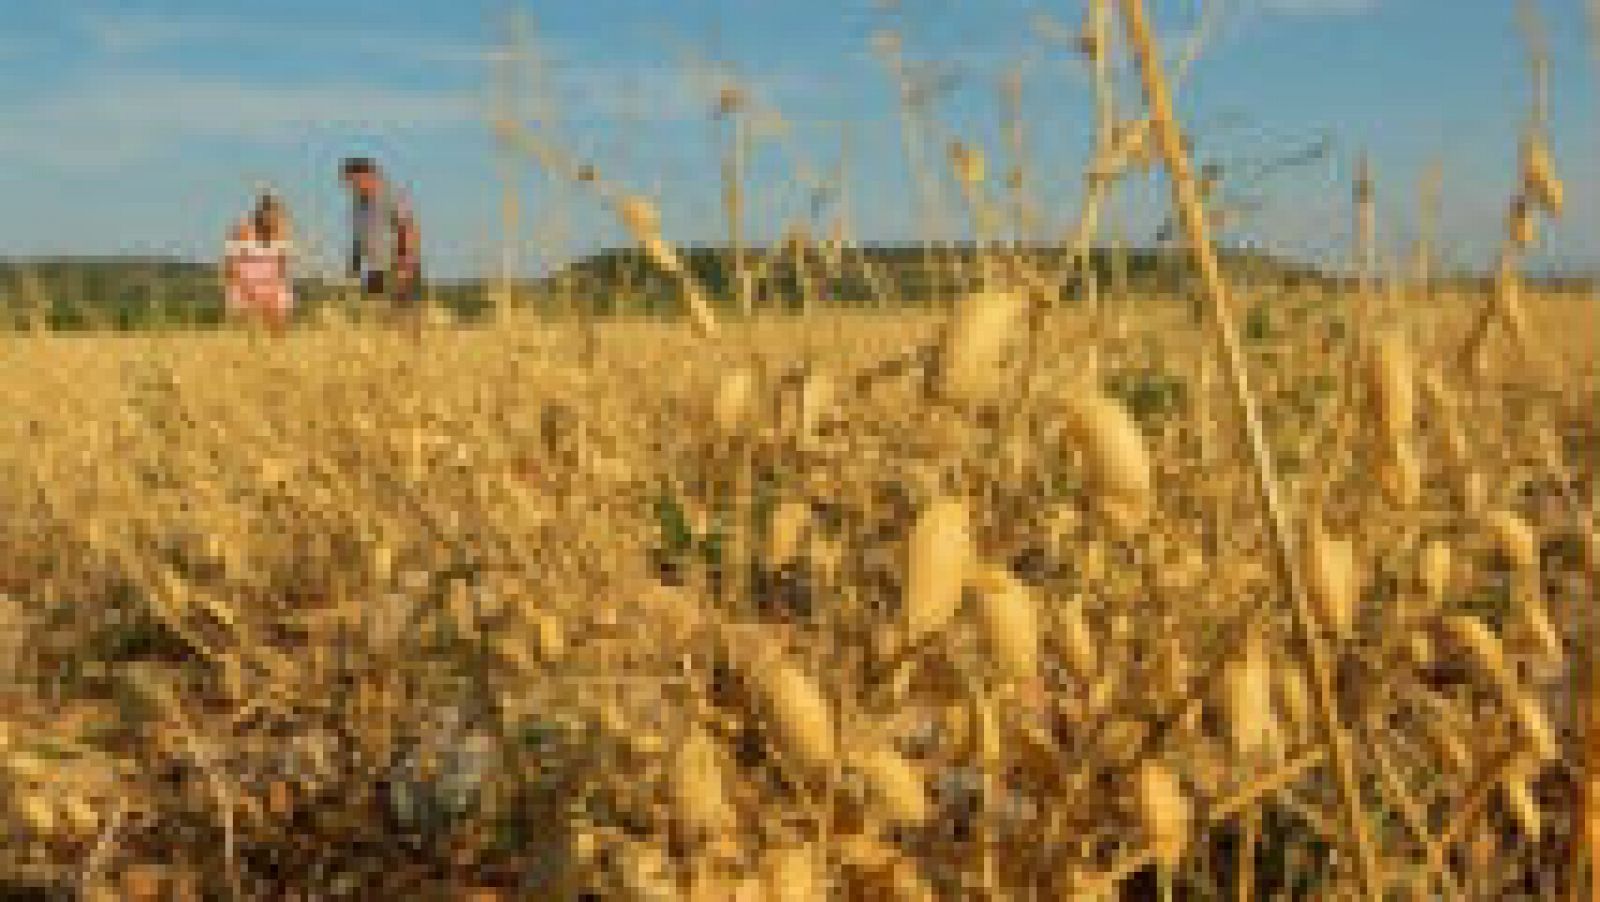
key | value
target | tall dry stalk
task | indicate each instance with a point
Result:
(1365, 241)
(1016, 142)
(637, 215)
(914, 90)
(731, 106)
(1186, 201)
(1586, 841)
(1117, 148)
(1428, 189)
(1539, 192)
(505, 97)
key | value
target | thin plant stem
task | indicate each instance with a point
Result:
(1186, 199)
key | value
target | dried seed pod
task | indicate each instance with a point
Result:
(894, 784)
(1078, 648)
(1332, 580)
(1401, 475)
(1483, 649)
(865, 852)
(1515, 539)
(976, 344)
(813, 401)
(968, 162)
(1474, 492)
(1010, 624)
(1113, 447)
(1016, 457)
(1173, 665)
(1294, 699)
(1094, 561)
(786, 532)
(550, 635)
(1131, 140)
(790, 874)
(1394, 384)
(1163, 813)
(731, 99)
(698, 791)
(81, 817)
(906, 884)
(1457, 451)
(1419, 645)
(381, 563)
(38, 813)
(1539, 180)
(938, 560)
(1247, 699)
(1122, 515)
(640, 218)
(1062, 522)
(1088, 39)
(1452, 751)
(1529, 714)
(1210, 767)
(1550, 452)
(735, 402)
(25, 765)
(1533, 618)
(1521, 228)
(1519, 797)
(800, 714)
(828, 557)
(646, 872)
(954, 723)
(1436, 566)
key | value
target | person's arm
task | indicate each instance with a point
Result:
(230, 255)
(407, 241)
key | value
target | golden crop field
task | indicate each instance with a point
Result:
(655, 619)
(1238, 592)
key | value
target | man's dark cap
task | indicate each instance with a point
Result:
(358, 166)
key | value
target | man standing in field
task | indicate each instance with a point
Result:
(386, 250)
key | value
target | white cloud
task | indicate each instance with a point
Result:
(113, 119)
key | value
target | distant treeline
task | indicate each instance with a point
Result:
(128, 293)
(916, 274)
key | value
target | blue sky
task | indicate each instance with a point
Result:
(144, 127)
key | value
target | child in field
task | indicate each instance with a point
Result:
(256, 272)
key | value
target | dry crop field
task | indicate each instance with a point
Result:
(1252, 593)
(513, 613)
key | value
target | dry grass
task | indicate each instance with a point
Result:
(265, 599)
(1017, 602)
